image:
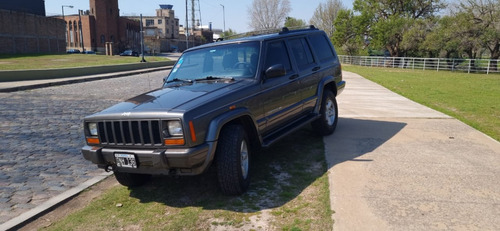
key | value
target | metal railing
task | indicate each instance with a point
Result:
(487, 66)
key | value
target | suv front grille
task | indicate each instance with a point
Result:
(130, 132)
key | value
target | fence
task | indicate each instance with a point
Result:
(487, 66)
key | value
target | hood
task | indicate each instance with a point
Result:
(173, 98)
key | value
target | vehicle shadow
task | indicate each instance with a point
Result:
(280, 173)
(356, 137)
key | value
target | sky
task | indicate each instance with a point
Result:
(237, 17)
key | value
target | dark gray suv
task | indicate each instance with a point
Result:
(220, 103)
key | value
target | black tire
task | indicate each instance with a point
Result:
(326, 124)
(233, 160)
(131, 179)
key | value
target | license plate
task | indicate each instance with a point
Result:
(126, 161)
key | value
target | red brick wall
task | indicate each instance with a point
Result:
(29, 33)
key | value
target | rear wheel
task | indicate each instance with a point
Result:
(233, 160)
(326, 124)
(131, 179)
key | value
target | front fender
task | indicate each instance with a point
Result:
(218, 122)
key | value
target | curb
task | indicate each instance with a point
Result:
(26, 85)
(28, 216)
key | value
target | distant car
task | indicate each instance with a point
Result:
(89, 52)
(73, 51)
(129, 53)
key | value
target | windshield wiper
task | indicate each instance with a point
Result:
(214, 78)
(180, 80)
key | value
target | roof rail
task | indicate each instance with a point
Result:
(283, 30)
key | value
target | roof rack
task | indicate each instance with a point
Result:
(283, 30)
(286, 30)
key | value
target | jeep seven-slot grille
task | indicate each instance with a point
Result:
(133, 132)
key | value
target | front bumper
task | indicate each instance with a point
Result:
(178, 161)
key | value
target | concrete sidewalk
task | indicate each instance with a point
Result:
(397, 165)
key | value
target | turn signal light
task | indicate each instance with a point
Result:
(173, 141)
(93, 141)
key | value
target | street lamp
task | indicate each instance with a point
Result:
(62, 7)
(223, 17)
(65, 26)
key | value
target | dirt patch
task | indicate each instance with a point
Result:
(74, 204)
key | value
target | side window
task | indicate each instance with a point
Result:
(301, 52)
(322, 47)
(277, 54)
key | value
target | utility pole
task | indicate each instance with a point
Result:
(224, 17)
(142, 42)
(186, 28)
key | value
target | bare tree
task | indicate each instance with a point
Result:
(325, 14)
(268, 14)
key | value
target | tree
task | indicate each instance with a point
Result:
(325, 15)
(389, 20)
(229, 33)
(484, 19)
(348, 34)
(416, 35)
(291, 22)
(268, 14)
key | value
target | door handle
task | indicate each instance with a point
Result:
(294, 76)
(316, 68)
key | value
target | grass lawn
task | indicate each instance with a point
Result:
(289, 191)
(471, 98)
(36, 61)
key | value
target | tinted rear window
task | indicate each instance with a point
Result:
(322, 47)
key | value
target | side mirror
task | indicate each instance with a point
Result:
(276, 70)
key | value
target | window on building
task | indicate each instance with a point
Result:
(103, 39)
(112, 38)
(150, 22)
(160, 21)
(150, 32)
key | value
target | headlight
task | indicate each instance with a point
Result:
(175, 128)
(93, 129)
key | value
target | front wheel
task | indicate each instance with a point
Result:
(131, 179)
(233, 160)
(326, 124)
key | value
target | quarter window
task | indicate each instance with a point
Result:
(322, 47)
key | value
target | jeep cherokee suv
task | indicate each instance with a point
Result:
(219, 102)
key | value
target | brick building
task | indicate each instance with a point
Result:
(36, 7)
(101, 29)
(25, 29)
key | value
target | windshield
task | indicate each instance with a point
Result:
(225, 61)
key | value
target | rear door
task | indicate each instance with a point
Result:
(307, 68)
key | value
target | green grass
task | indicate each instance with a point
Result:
(289, 191)
(36, 61)
(471, 98)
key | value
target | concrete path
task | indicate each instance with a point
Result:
(397, 165)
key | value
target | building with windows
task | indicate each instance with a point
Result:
(101, 29)
(161, 32)
(25, 29)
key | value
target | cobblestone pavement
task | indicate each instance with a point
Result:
(41, 133)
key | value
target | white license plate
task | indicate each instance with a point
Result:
(126, 160)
